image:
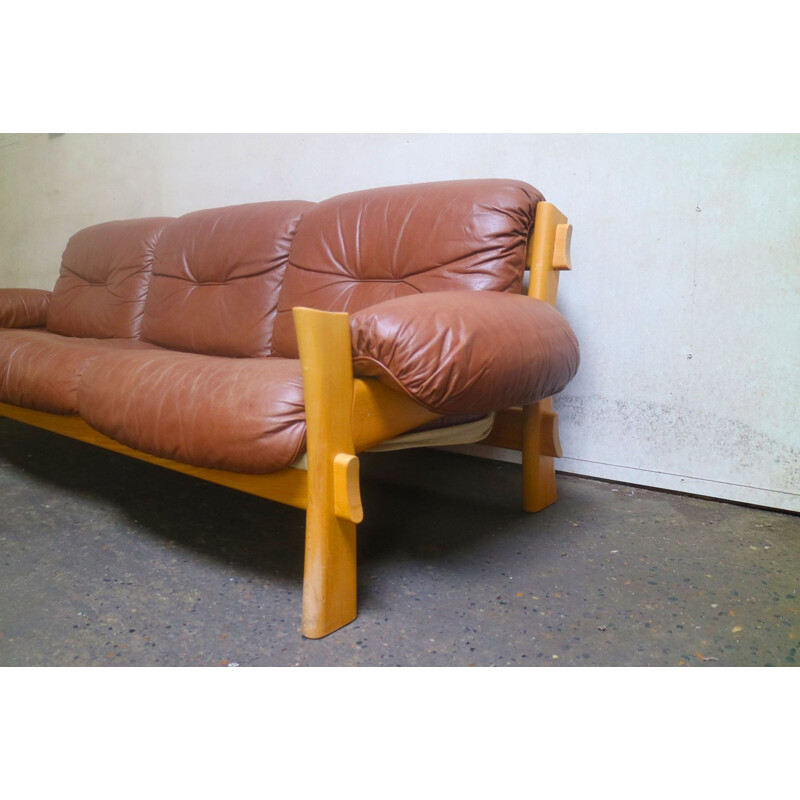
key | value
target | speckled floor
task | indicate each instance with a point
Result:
(108, 561)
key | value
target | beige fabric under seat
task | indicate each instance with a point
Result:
(467, 433)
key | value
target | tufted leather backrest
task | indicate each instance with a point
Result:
(102, 285)
(216, 278)
(361, 248)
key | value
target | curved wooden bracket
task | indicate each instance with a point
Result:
(539, 436)
(550, 444)
(561, 256)
(346, 492)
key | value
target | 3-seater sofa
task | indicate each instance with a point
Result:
(263, 346)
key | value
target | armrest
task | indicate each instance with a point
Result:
(24, 308)
(466, 352)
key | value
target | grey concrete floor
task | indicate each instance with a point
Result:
(108, 561)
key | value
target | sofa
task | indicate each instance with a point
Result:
(263, 346)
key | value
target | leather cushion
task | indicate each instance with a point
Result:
(41, 370)
(239, 414)
(216, 278)
(359, 249)
(105, 270)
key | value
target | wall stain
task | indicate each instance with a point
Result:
(756, 459)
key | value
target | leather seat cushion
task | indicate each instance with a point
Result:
(41, 370)
(238, 414)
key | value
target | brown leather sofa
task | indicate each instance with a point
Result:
(262, 346)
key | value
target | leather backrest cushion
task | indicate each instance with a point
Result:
(105, 271)
(216, 278)
(358, 249)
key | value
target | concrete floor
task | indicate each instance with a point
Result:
(111, 562)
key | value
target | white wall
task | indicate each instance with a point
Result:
(685, 292)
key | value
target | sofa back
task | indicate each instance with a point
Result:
(358, 249)
(216, 278)
(102, 285)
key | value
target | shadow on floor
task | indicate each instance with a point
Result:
(105, 560)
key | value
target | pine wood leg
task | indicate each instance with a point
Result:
(329, 579)
(539, 444)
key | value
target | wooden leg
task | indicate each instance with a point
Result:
(329, 579)
(539, 446)
(334, 504)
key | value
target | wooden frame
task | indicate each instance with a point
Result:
(347, 415)
(534, 429)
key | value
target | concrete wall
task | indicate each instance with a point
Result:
(685, 292)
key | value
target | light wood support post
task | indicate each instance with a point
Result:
(334, 504)
(538, 468)
(548, 254)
